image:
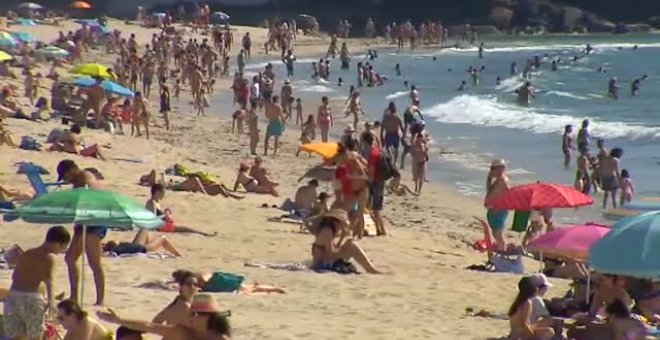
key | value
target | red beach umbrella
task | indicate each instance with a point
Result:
(537, 196)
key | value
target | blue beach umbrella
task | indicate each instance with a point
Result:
(7, 40)
(25, 22)
(52, 51)
(22, 36)
(631, 248)
(107, 85)
(221, 16)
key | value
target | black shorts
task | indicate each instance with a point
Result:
(376, 195)
(254, 102)
(267, 95)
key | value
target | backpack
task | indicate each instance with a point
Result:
(385, 166)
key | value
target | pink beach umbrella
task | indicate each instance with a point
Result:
(572, 241)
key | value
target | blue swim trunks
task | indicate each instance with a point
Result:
(97, 230)
(496, 219)
(274, 128)
(392, 140)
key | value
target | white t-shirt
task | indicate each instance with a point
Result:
(538, 310)
(254, 91)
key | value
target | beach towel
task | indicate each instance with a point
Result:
(159, 256)
(223, 283)
(520, 221)
(289, 266)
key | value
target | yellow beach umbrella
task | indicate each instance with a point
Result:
(92, 70)
(4, 56)
(325, 150)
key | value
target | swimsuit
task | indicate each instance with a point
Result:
(130, 248)
(392, 140)
(97, 230)
(609, 183)
(24, 314)
(496, 219)
(251, 186)
(274, 128)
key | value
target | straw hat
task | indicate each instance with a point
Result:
(312, 224)
(204, 303)
(497, 163)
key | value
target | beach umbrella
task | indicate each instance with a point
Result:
(80, 5)
(92, 70)
(52, 51)
(325, 150)
(25, 22)
(221, 16)
(22, 36)
(4, 56)
(107, 85)
(538, 196)
(631, 248)
(30, 5)
(87, 207)
(7, 40)
(570, 241)
(159, 15)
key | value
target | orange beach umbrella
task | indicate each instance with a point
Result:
(325, 150)
(80, 5)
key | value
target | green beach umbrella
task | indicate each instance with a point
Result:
(88, 207)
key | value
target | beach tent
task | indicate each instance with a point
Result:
(30, 5)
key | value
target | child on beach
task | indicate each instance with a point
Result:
(253, 131)
(310, 127)
(627, 188)
(299, 111)
(237, 121)
(24, 307)
(201, 103)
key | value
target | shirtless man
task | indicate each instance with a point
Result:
(275, 124)
(525, 93)
(390, 134)
(286, 95)
(24, 307)
(496, 183)
(196, 79)
(71, 143)
(95, 96)
(610, 175)
(140, 115)
(69, 172)
(306, 195)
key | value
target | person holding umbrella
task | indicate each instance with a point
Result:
(69, 172)
(496, 183)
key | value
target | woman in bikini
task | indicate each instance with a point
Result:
(178, 311)
(352, 175)
(324, 119)
(78, 324)
(140, 115)
(71, 143)
(521, 311)
(153, 204)
(420, 155)
(250, 184)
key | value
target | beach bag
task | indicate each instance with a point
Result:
(505, 264)
(385, 166)
(29, 143)
(520, 221)
(223, 283)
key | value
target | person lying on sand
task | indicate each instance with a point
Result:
(13, 195)
(205, 321)
(397, 188)
(251, 184)
(143, 243)
(153, 204)
(260, 173)
(72, 143)
(191, 184)
(78, 324)
(204, 283)
(331, 243)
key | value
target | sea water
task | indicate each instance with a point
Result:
(470, 128)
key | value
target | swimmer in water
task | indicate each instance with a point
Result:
(613, 89)
(525, 93)
(554, 65)
(435, 58)
(397, 68)
(340, 82)
(405, 84)
(635, 86)
(474, 75)
(567, 144)
(588, 49)
(498, 81)
(462, 86)
(481, 51)
(514, 69)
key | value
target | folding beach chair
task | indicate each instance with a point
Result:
(40, 187)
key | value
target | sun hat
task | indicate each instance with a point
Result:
(204, 303)
(541, 280)
(313, 223)
(497, 163)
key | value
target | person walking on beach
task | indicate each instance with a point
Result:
(610, 176)
(324, 118)
(567, 144)
(354, 107)
(627, 188)
(392, 130)
(275, 125)
(69, 172)
(377, 179)
(584, 137)
(582, 179)
(496, 183)
(24, 307)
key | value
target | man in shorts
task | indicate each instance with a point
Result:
(69, 172)
(376, 186)
(275, 125)
(391, 132)
(24, 307)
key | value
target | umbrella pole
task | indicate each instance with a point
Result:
(82, 265)
(541, 263)
(588, 285)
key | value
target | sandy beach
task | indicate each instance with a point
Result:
(424, 294)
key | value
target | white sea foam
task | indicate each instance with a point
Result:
(511, 84)
(316, 89)
(261, 65)
(566, 95)
(396, 95)
(484, 111)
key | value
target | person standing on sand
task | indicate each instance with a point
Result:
(354, 107)
(196, 79)
(391, 132)
(610, 176)
(69, 172)
(253, 131)
(140, 115)
(376, 184)
(275, 124)
(496, 183)
(95, 96)
(324, 118)
(24, 307)
(420, 156)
